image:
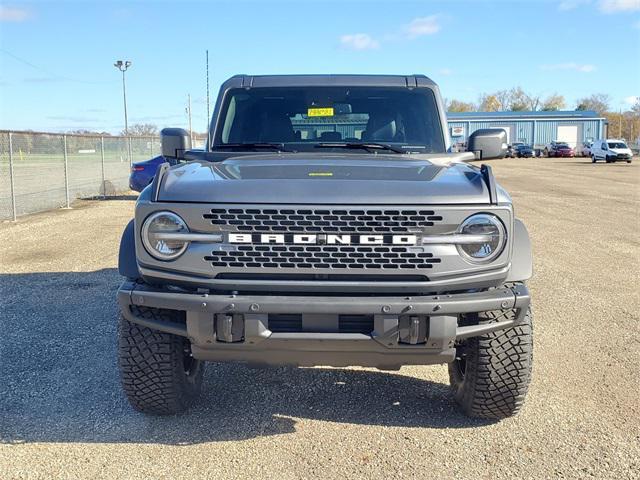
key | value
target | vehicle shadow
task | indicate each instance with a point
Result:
(59, 381)
(595, 165)
(124, 197)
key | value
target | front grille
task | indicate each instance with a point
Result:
(324, 257)
(338, 221)
(285, 323)
(292, 323)
(356, 324)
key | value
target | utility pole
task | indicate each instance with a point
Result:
(189, 113)
(620, 125)
(208, 119)
(122, 65)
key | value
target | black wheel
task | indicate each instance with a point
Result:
(628, 161)
(157, 371)
(491, 374)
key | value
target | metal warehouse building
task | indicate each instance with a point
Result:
(532, 128)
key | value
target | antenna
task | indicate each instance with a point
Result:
(208, 114)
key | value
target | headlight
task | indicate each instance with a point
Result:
(156, 227)
(490, 241)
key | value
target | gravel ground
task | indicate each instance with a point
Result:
(62, 414)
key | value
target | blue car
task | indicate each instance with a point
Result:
(142, 173)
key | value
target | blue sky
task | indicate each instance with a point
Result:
(57, 74)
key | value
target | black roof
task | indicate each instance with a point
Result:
(244, 81)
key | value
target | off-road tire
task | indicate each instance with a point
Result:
(491, 373)
(158, 374)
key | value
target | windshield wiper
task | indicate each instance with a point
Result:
(253, 145)
(364, 146)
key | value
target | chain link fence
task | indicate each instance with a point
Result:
(43, 171)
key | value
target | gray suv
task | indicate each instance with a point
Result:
(326, 223)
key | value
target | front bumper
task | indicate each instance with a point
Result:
(406, 330)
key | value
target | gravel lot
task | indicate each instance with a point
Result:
(62, 413)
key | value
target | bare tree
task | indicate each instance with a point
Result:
(599, 102)
(518, 100)
(504, 99)
(142, 130)
(553, 102)
(533, 101)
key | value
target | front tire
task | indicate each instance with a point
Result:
(158, 374)
(491, 374)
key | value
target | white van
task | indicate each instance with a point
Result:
(610, 150)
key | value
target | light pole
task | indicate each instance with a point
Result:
(122, 66)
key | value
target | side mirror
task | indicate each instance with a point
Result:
(488, 143)
(175, 141)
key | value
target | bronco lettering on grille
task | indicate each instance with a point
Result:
(322, 239)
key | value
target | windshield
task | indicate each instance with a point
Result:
(301, 118)
(616, 145)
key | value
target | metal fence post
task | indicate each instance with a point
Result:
(66, 173)
(130, 159)
(13, 193)
(104, 188)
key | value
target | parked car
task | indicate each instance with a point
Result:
(512, 149)
(142, 173)
(510, 152)
(585, 151)
(559, 149)
(611, 150)
(524, 151)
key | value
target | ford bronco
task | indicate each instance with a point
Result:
(326, 222)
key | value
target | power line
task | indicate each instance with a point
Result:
(53, 75)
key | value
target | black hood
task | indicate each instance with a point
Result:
(307, 178)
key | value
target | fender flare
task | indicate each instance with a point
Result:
(522, 260)
(127, 264)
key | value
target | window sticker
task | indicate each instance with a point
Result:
(320, 112)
